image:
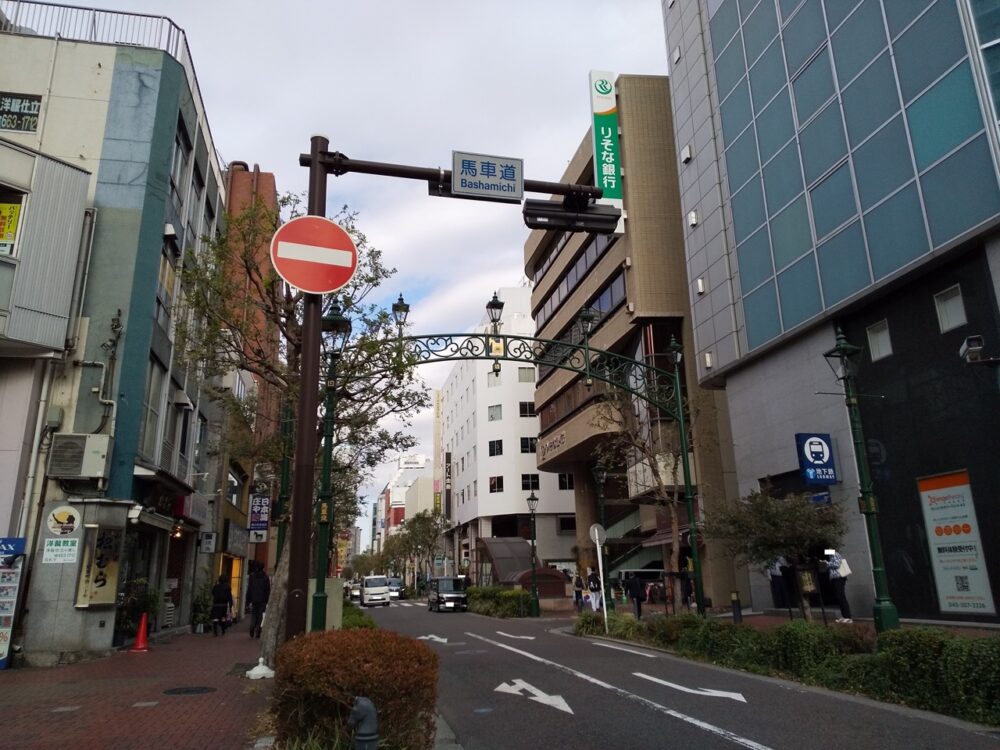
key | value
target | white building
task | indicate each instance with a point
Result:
(488, 435)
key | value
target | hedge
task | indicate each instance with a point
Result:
(319, 674)
(925, 668)
(355, 618)
(499, 601)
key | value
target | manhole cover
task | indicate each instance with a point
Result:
(189, 690)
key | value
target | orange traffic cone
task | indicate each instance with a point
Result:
(141, 644)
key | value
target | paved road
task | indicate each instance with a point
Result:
(513, 684)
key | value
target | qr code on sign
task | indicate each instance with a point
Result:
(962, 583)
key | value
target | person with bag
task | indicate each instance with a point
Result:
(838, 570)
(258, 594)
(222, 605)
(594, 586)
(578, 593)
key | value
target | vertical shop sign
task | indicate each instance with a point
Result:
(11, 559)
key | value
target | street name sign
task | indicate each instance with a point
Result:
(495, 178)
(314, 254)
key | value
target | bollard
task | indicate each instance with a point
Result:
(364, 716)
(737, 607)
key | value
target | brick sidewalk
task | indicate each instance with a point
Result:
(122, 702)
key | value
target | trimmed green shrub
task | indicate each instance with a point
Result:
(624, 627)
(665, 632)
(589, 623)
(972, 670)
(499, 601)
(319, 674)
(355, 618)
(913, 664)
(800, 648)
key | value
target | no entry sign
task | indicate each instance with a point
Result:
(314, 254)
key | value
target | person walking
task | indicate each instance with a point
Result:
(838, 570)
(637, 593)
(594, 586)
(222, 605)
(578, 593)
(258, 593)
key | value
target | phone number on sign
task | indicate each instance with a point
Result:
(19, 122)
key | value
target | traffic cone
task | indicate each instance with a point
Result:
(141, 644)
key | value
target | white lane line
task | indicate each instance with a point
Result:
(694, 691)
(328, 256)
(626, 650)
(718, 731)
(518, 637)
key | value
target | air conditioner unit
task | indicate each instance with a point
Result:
(76, 456)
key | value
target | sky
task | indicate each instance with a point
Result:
(408, 82)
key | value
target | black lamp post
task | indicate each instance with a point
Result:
(399, 312)
(532, 506)
(494, 309)
(587, 317)
(885, 615)
(600, 472)
(339, 328)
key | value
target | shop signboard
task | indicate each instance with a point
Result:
(11, 559)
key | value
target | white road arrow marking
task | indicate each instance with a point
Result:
(436, 639)
(696, 691)
(519, 687)
(519, 637)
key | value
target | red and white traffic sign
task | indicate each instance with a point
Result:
(314, 254)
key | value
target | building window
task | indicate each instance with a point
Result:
(234, 489)
(950, 308)
(565, 481)
(461, 464)
(475, 488)
(527, 408)
(526, 374)
(10, 216)
(879, 343)
(496, 447)
(528, 444)
(566, 524)
(496, 484)
(151, 407)
(494, 413)
(529, 481)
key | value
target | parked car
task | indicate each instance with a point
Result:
(396, 588)
(448, 594)
(374, 590)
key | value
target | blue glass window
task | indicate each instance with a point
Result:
(767, 76)
(896, 233)
(843, 265)
(814, 87)
(900, 12)
(729, 67)
(724, 24)
(870, 100)
(882, 164)
(790, 235)
(759, 29)
(798, 290)
(987, 15)
(754, 257)
(833, 201)
(991, 57)
(741, 160)
(782, 179)
(748, 209)
(760, 310)
(788, 7)
(945, 116)
(823, 143)
(961, 192)
(736, 112)
(859, 40)
(746, 6)
(837, 11)
(774, 126)
(928, 48)
(804, 34)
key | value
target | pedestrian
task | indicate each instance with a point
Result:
(578, 593)
(838, 570)
(222, 605)
(777, 581)
(594, 586)
(258, 593)
(637, 593)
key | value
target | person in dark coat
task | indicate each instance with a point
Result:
(636, 589)
(222, 605)
(258, 593)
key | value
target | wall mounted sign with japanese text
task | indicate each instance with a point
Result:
(815, 452)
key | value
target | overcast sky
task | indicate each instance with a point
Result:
(408, 81)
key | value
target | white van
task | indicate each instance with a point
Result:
(374, 590)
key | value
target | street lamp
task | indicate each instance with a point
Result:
(494, 309)
(532, 505)
(339, 327)
(600, 472)
(885, 615)
(587, 318)
(676, 353)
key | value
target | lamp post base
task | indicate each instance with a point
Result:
(318, 611)
(534, 610)
(885, 615)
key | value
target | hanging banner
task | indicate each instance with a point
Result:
(956, 550)
(98, 582)
(260, 517)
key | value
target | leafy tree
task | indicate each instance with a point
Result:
(396, 551)
(423, 532)
(367, 563)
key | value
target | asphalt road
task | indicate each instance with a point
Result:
(528, 684)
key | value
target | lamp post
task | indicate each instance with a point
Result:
(600, 472)
(675, 357)
(885, 615)
(532, 506)
(339, 328)
(494, 309)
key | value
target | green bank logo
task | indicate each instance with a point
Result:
(603, 87)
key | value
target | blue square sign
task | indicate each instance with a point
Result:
(815, 451)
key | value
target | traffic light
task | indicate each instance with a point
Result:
(595, 217)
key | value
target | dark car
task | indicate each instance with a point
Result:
(447, 594)
(396, 589)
